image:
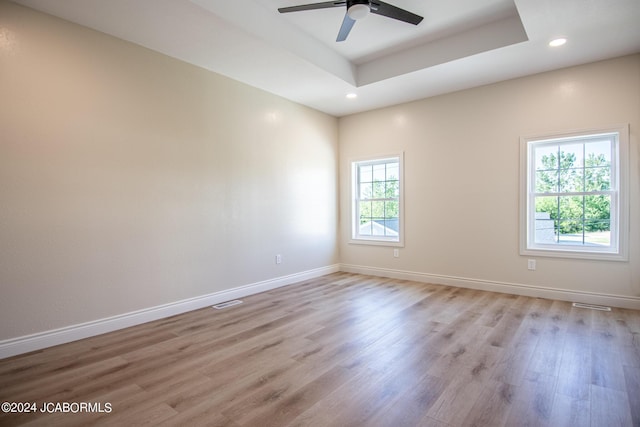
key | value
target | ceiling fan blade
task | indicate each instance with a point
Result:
(313, 6)
(390, 11)
(347, 25)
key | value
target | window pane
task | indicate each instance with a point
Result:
(597, 207)
(598, 153)
(547, 205)
(365, 212)
(571, 208)
(366, 229)
(597, 178)
(547, 181)
(598, 165)
(391, 227)
(379, 172)
(377, 209)
(594, 226)
(391, 210)
(393, 171)
(392, 190)
(597, 233)
(570, 232)
(546, 212)
(570, 168)
(571, 180)
(366, 191)
(378, 190)
(546, 157)
(571, 156)
(366, 173)
(598, 239)
(378, 227)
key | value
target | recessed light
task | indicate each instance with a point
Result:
(557, 42)
(352, 95)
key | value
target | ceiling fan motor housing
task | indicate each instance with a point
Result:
(358, 9)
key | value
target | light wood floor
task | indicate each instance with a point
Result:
(348, 350)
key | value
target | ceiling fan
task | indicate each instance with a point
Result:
(358, 9)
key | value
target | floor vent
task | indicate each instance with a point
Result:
(592, 306)
(227, 304)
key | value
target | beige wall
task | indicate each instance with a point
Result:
(462, 173)
(129, 179)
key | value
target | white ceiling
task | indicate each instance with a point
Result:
(459, 44)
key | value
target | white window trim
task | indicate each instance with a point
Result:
(620, 210)
(377, 240)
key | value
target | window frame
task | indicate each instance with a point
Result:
(356, 238)
(619, 205)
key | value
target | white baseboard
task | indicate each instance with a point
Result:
(503, 287)
(25, 344)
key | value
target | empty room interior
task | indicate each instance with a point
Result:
(349, 213)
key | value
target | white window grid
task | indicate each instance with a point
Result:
(617, 247)
(386, 238)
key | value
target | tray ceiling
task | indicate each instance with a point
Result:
(459, 44)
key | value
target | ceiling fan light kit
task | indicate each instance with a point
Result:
(358, 9)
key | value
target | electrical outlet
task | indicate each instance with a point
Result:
(278, 259)
(531, 264)
(396, 253)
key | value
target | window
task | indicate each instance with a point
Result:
(377, 201)
(574, 196)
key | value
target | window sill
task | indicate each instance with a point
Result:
(375, 242)
(574, 254)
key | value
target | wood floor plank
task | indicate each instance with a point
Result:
(568, 411)
(548, 353)
(632, 378)
(331, 410)
(505, 329)
(580, 320)
(458, 398)
(606, 363)
(278, 389)
(390, 386)
(574, 375)
(348, 350)
(295, 403)
(494, 313)
(410, 407)
(609, 407)
(630, 355)
(465, 388)
(374, 390)
(463, 351)
(534, 401)
(204, 414)
(63, 382)
(492, 406)
(513, 365)
(516, 358)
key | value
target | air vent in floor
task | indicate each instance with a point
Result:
(591, 306)
(227, 304)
